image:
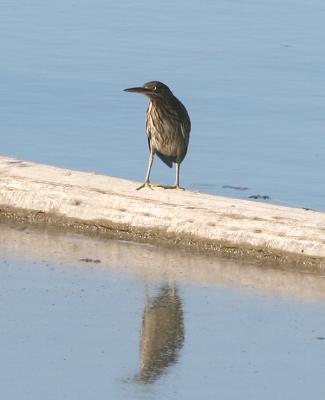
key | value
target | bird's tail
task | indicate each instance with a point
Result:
(166, 159)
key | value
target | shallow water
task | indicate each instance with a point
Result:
(94, 319)
(250, 73)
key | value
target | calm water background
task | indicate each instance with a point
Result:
(251, 74)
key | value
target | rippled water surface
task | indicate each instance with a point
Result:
(85, 319)
(251, 74)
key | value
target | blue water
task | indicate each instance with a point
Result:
(251, 74)
(80, 331)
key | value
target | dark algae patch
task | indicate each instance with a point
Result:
(90, 260)
(259, 197)
(234, 187)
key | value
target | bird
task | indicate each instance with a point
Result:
(168, 127)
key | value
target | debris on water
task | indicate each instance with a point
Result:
(90, 260)
(259, 197)
(320, 338)
(234, 187)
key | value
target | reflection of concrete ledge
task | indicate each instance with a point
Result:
(41, 193)
(156, 263)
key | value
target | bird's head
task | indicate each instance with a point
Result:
(153, 89)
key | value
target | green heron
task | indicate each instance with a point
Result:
(168, 128)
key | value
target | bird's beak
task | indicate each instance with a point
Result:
(141, 90)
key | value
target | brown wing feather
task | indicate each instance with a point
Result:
(168, 130)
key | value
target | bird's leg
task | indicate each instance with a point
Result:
(176, 186)
(177, 177)
(146, 181)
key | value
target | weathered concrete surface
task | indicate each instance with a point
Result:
(100, 202)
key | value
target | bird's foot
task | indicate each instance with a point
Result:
(177, 187)
(157, 185)
(148, 185)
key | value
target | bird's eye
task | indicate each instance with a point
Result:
(152, 87)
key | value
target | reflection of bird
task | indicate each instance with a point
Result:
(168, 127)
(162, 333)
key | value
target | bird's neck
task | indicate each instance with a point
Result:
(158, 101)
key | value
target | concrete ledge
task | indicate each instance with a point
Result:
(43, 193)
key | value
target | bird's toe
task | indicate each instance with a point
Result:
(146, 184)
